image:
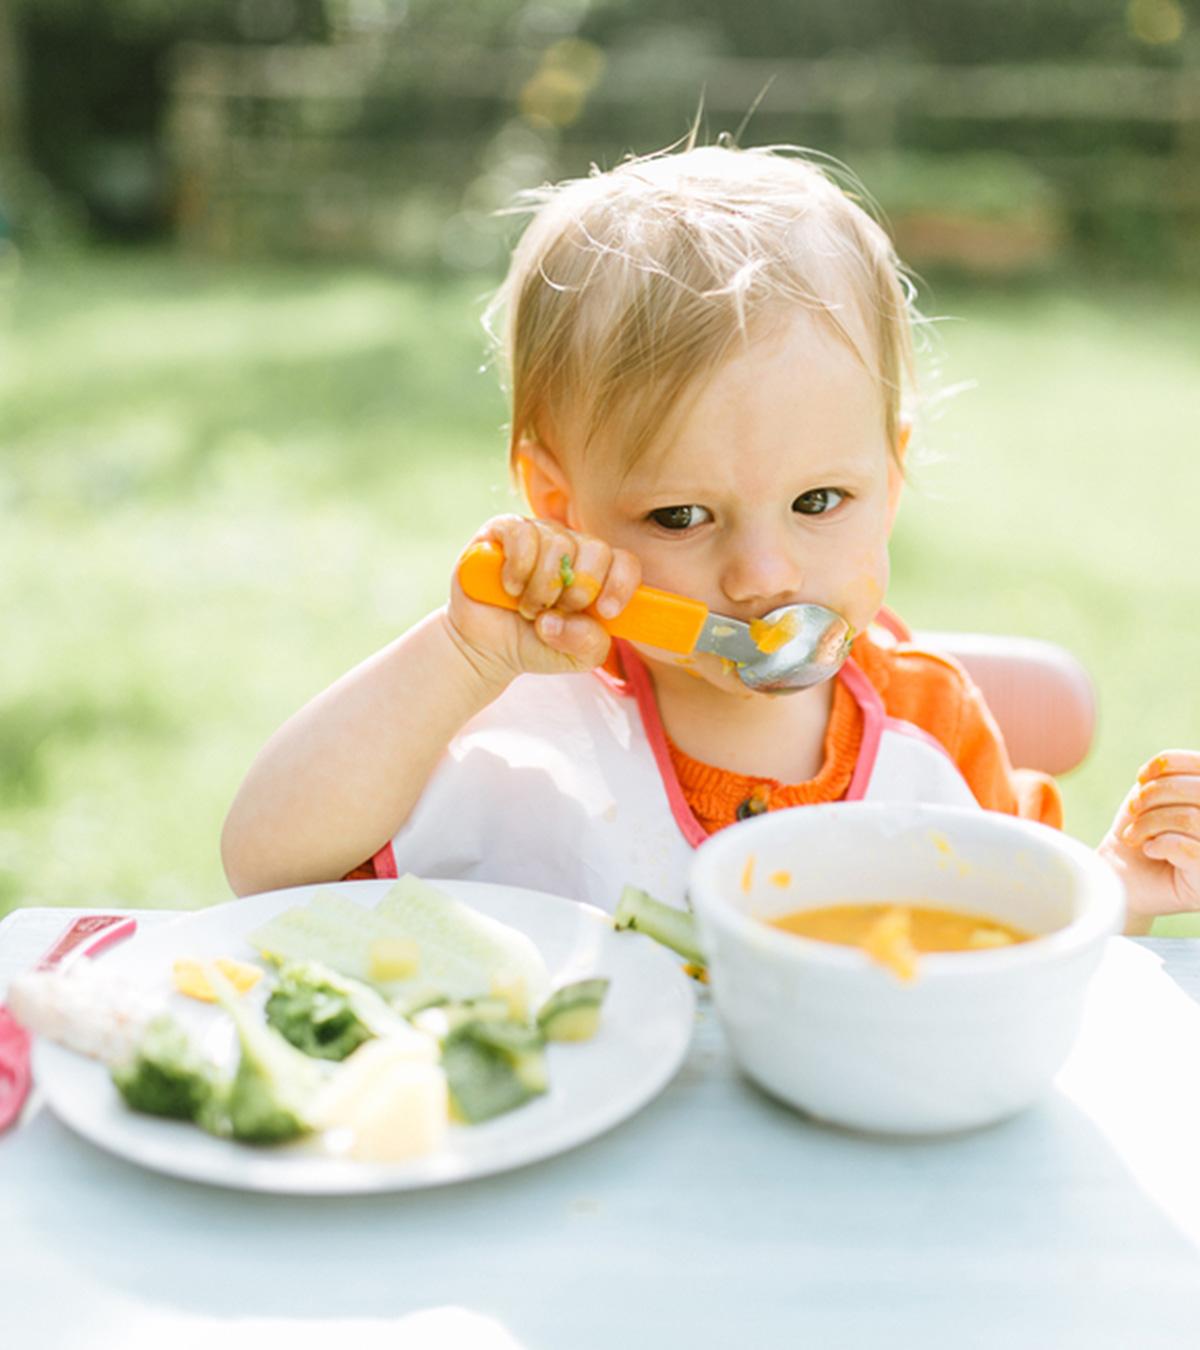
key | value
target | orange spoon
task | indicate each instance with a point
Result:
(790, 648)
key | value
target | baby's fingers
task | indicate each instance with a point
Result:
(545, 583)
(583, 576)
(575, 635)
(1182, 851)
(624, 577)
(1175, 817)
(1168, 764)
(519, 543)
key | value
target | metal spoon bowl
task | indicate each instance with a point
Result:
(814, 649)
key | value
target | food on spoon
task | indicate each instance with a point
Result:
(328, 1016)
(168, 1076)
(572, 1013)
(393, 1104)
(895, 935)
(190, 979)
(674, 928)
(769, 635)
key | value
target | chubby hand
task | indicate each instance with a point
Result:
(554, 574)
(1154, 843)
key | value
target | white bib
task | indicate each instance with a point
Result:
(565, 784)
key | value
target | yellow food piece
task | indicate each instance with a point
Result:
(781, 879)
(392, 958)
(983, 938)
(190, 979)
(511, 988)
(748, 875)
(768, 635)
(889, 941)
(576, 1024)
(394, 1104)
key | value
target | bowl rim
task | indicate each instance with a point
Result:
(1101, 919)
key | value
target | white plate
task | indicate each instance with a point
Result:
(644, 1033)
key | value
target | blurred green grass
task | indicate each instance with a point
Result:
(221, 485)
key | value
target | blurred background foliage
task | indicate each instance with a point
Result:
(1001, 135)
(247, 418)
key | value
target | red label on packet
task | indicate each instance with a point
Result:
(83, 938)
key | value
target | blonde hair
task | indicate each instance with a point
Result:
(629, 285)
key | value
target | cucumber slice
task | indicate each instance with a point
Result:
(674, 928)
(492, 1067)
(572, 1013)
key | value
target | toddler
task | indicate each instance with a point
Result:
(707, 352)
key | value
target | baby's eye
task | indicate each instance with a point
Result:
(680, 517)
(818, 501)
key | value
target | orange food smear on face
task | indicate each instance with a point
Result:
(894, 935)
(769, 635)
(748, 875)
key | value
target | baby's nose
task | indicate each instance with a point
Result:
(760, 573)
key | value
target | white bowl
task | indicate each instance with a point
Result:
(977, 1036)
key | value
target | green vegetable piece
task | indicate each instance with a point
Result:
(566, 571)
(484, 1009)
(168, 1076)
(274, 1083)
(572, 1013)
(493, 1067)
(674, 928)
(324, 1014)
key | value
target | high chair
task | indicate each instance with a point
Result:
(1039, 694)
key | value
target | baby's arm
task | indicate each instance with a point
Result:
(339, 778)
(1154, 843)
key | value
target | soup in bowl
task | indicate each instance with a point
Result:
(900, 1037)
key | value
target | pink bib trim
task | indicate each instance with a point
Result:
(871, 706)
(638, 683)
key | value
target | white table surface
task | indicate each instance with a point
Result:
(715, 1217)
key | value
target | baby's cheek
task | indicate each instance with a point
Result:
(861, 598)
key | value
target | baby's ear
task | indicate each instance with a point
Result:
(543, 483)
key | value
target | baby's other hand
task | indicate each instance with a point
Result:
(553, 574)
(1154, 843)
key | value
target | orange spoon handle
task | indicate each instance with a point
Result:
(657, 618)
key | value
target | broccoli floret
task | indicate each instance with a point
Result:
(168, 1076)
(325, 1014)
(274, 1084)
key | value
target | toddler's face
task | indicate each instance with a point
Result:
(775, 486)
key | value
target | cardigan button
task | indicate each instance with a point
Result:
(754, 805)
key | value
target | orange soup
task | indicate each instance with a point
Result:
(895, 935)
